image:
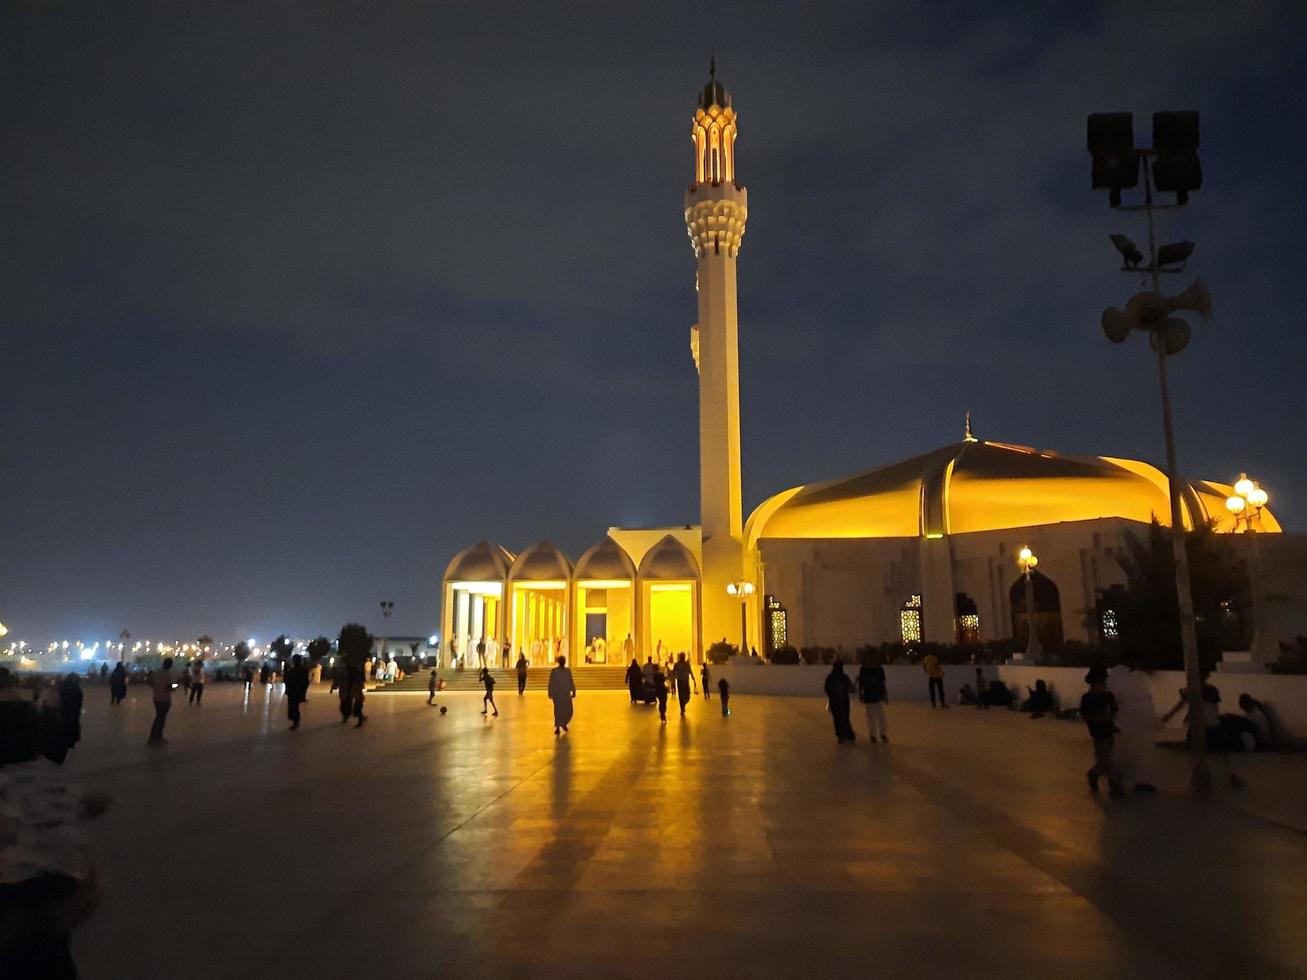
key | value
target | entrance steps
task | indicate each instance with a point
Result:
(607, 677)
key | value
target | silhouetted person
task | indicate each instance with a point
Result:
(705, 679)
(635, 681)
(724, 689)
(660, 693)
(358, 689)
(838, 688)
(562, 690)
(70, 711)
(104, 672)
(934, 679)
(523, 665)
(1040, 701)
(488, 699)
(196, 693)
(433, 684)
(1098, 709)
(346, 699)
(118, 684)
(1268, 736)
(161, 691)
(247, 675)
(872, 694)
(297, 689)
(683, 675)
(265, 673)
(481, 652)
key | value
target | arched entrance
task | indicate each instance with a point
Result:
(1048, 612)
(473, 605)
(539, 592)
(604, 600)
(669, 602)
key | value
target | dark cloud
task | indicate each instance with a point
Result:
(301, 299)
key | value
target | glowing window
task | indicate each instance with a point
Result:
(969, 629)
(1107, 624)
(910, 620)
(778, 634)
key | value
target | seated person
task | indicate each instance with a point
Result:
(999, 695)
(1040, 701)
(966, 695)
(1237, 734)
(1268, 737)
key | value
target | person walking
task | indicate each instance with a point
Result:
(433, 684)
(934, 679)
(562, 691)
(358, 689)
(724, 690)
(635, 681)
(118, 684)
(838, 688)
(248, 676)
(1098, 708)
(874, 697)
(297, 689)
(1136, 727)
(523, 665)
(660, 693)
(161, 685)
(488, 699)
(343, 694)
(704, 680)
(683, 674)
(196, 694)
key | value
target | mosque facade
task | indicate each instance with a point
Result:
(921, 549)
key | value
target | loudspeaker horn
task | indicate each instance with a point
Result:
(1116, 325)
(1173, 332)
(1195, 298)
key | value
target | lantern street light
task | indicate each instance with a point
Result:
(1026, 561)
(1245, 505)
(743, 590)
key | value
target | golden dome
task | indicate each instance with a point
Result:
(975, 485)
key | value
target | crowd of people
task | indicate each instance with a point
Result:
(1117, 709)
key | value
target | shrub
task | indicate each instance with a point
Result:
(720, 651)
(354, 644)
(785, 655)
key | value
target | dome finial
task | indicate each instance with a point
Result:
(712, 65)
(967, 435)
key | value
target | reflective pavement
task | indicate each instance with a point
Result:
(425, 846)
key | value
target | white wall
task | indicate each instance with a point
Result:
(1287, 695)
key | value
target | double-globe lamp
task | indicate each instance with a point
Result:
(1026, 561)
(743, 590)
(1245, 505)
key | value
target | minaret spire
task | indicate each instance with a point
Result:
(967, 435)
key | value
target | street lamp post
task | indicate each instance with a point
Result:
(387, 607)
(1246, 504)
(1170, 165)
(1027, 560)
(743, 590)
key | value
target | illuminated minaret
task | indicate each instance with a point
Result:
(715, 211)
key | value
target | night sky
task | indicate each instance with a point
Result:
(299, 300)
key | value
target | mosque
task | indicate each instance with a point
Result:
(921, 549)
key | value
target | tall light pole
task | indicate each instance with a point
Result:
(1027, 560)
(743, 590)
(387, 607)
(1246, 505)
(1171, 164)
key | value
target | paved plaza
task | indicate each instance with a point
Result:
(457, 846)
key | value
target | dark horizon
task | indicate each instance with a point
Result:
(301, 304)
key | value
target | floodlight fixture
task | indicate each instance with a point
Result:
(1111, 139)
(1175, 141)
(1128, 249)
(1177, 253)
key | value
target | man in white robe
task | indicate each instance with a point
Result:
(562, 689)
(1136, 722)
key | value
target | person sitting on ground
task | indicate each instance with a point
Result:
(1040, 701)
(999, 695)
(966, 695)
(1268, 736)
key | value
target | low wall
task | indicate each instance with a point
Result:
(1285, 694)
